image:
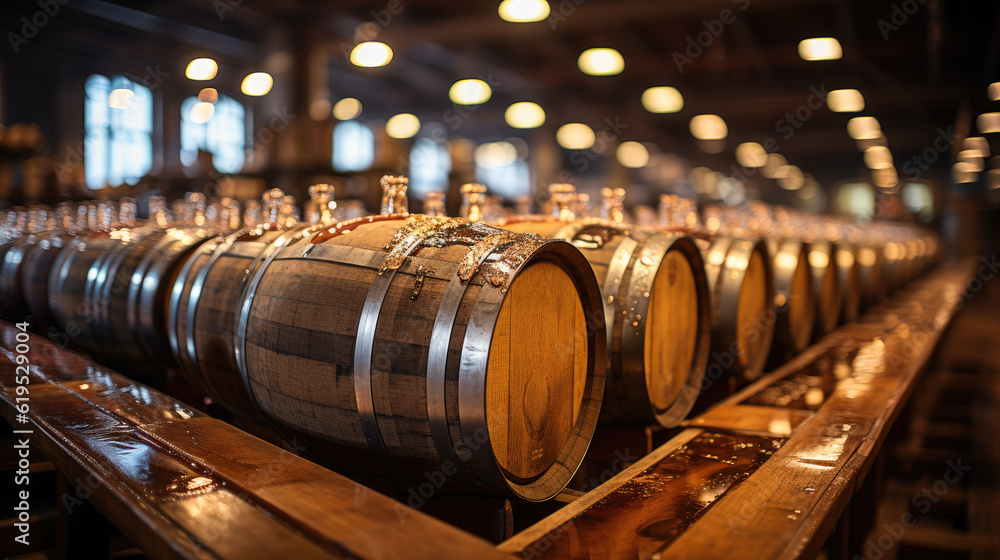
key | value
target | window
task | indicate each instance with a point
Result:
(430, 164)
(353, 146)
(118, 131)
(224, 134)
(509, 181)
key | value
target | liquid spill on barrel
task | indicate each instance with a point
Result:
(809, 387)
(647, 513)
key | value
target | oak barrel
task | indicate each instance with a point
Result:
(794, 302)
(430, 349)
(655, 297)
(871, 273)
(108, 292)
(827, 291)
(741, 289)
(849, 272)
(202, 315)
(35, 255)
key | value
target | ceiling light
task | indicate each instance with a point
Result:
(346, 109)
(988, 122)
(371, 54)
(201, 112)
(575, 136)
(993, 92)
(257, 84)
(845, 101)
(632, 154)
(976, 145)
(120, 98)
(523, 11)
(470, 92)
(820, 48)
(708, 127)
(524, 114)
(201, 69)
(403, 125)
(751, 154)
(878, 157)
(601, 61)
(495, 154)
(864, 128)
(208, 95)
(662, 99)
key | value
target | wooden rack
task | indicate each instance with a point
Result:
(771, 469)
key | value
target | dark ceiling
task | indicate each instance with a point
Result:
(922, 65)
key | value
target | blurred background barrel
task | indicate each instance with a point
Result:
(401, 344)
(794, 300)
(108, 292)
(204, 301)
(656, 306)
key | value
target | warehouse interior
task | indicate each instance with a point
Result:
(216, 369)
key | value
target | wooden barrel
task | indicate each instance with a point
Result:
(430, 349)
(871, 274)
(826, 287)
(203, 304)
(656, 307)
(793, 297)
(36, 253)
(11, 288)
(108, 292)
(849, 272)
(741, 289)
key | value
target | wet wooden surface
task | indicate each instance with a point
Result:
(184, 485)
(825, 415)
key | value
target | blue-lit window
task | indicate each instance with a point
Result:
(224, 134)
(118, 131)
(430, 164)
(509, 181)
(353, 146)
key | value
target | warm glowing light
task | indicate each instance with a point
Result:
(975, 162)
(524, 114)
(662, 99)
(988, 122)
(201, 112)
(120, 98)
(346, 109)
(371, 54)
(495, 154)
(820, 48)
(845, 101)
(963, 172)
(208, 95)
(201, 69)
(878, 157)
(818, 259)
(575, 136)
(864, 128)
(773, 164)
(470, 92)
(632, 154)
(993, 91)
(708, 127)
(601, 61)
(257, 84)
(790, 177)
(523, 11)
(885, 177)
(751, 154)
(976, 146)
(403, 125)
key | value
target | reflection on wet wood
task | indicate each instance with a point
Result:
(652, 503)
(183, 485)
(864, 373)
